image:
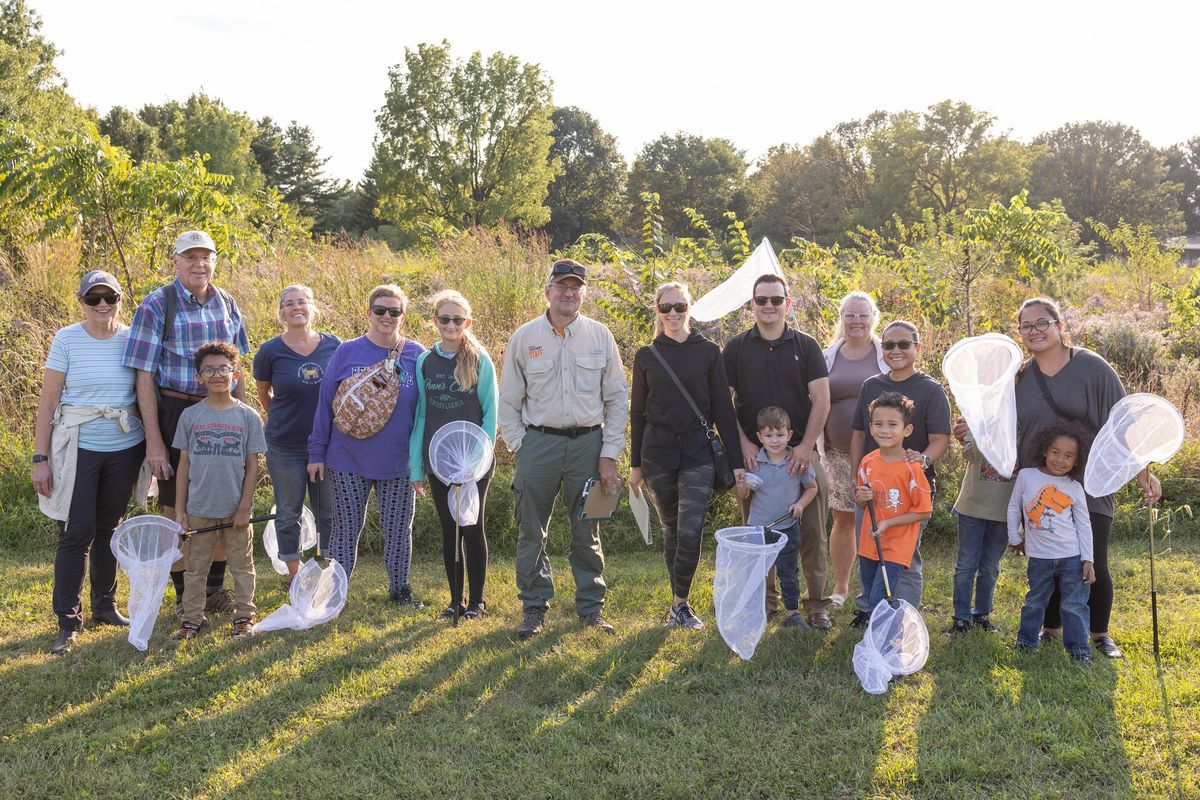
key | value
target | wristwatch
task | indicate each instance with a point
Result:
(925, 462)
(40, 457)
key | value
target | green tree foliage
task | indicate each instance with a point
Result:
(1106, 172)
(588, 193)
(688, 171)
(1183, 168)
(1151, 271)
(464, 143)
(126, 129)
(291, 162)
(31, 89)
(204, 126)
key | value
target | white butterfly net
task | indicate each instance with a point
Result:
(460, 453)
(145, 547)
(1142, 429)
(739, 588)
(980, 371)
(896, 643)
(317, 595)
(308, 538)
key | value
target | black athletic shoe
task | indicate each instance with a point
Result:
(860, 621)
(982, 621)
(959, 626)
(404, 597)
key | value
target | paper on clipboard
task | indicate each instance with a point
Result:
(641, 513)
(597, 504)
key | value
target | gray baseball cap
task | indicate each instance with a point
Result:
(189, 240)
(97, 277)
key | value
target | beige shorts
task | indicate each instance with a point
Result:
(841, 484)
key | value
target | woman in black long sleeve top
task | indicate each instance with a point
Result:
(669, 449)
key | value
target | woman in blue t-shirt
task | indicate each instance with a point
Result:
(288, 371)
(456, 380)
(88, 451)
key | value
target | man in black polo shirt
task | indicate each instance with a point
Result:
(774, 365)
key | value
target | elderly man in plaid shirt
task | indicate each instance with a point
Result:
(168, 328)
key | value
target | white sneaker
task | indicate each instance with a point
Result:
(837, 600)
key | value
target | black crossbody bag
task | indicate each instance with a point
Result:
(723, 479)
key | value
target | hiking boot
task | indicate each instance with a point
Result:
(188, 630)
(685, 617)
(404, 597)
(110, 617)
(597, 620)
(860, 622)
(242, 626)
(220, 601)
(959, 626)
(531, 625)
(795, 621)
(475, 611)
(982, 621)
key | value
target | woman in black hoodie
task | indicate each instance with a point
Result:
(669, 449)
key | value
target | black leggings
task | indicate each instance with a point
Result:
(103, 483)
(474, 538)
(1101, 598)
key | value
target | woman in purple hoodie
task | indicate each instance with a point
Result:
(380, 461)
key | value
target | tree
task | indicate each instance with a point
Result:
(688, 171)
(125, 129)
(1183, 168)
(204, 126)
(587, 194)
(31, 89)
(291, 162)
(1106, 172)
(464, 143)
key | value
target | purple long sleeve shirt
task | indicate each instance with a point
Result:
(384, 455)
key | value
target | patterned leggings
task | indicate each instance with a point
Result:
(396, 501)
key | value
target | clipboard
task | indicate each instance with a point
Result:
(595, 504)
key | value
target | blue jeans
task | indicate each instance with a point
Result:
(1074, 608)
(871, 577)
(786, 567)
(911, 584)
(289, 478)
(981, 544)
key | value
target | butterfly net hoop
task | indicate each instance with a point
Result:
(146, 546)
(744, 555)
(896, 643)
(1142, 429)
(460, 453)
(316, 596)
(308, 538)
(980, 371)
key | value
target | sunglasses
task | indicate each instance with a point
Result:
(903, 344)
(775, 301)
(455, 321)
(109, 297)
(211, 372)
(393, 311)
(667, 308)
(567, 268)
(1026, 328)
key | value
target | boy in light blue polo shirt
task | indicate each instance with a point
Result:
(780, 494)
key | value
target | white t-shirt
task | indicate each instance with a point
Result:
(1054, 513)
(95, 376)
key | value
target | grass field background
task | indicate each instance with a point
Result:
(388, 703)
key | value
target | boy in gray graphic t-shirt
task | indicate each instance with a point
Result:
(219, 440)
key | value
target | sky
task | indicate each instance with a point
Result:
(756, 73)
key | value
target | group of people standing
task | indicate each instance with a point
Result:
(796, 422)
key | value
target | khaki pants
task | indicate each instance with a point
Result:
(814, 549)
(239, 555)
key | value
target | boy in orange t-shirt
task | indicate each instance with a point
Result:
(900, 494)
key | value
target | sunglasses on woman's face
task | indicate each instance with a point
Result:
(455, 321)
(775, 301)
(109, 297)
(903, 344)
(379, 311)
(667, 308)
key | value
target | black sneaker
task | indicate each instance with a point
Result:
(531, 625)
(451, 613)
(959, 626)
(982, 621)
(860, 622)
(686, 618)
(404, 597)
(475, 611)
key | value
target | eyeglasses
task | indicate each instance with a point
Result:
(109, 297)
(569, 268)
(1042, 324)
(563, 288)
(455, 321)
(903, 344)
(211, 372)
(775, 301)
(855, 317)
(667, 308)
(393, 311)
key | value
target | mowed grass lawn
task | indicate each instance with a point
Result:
(384, 703)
